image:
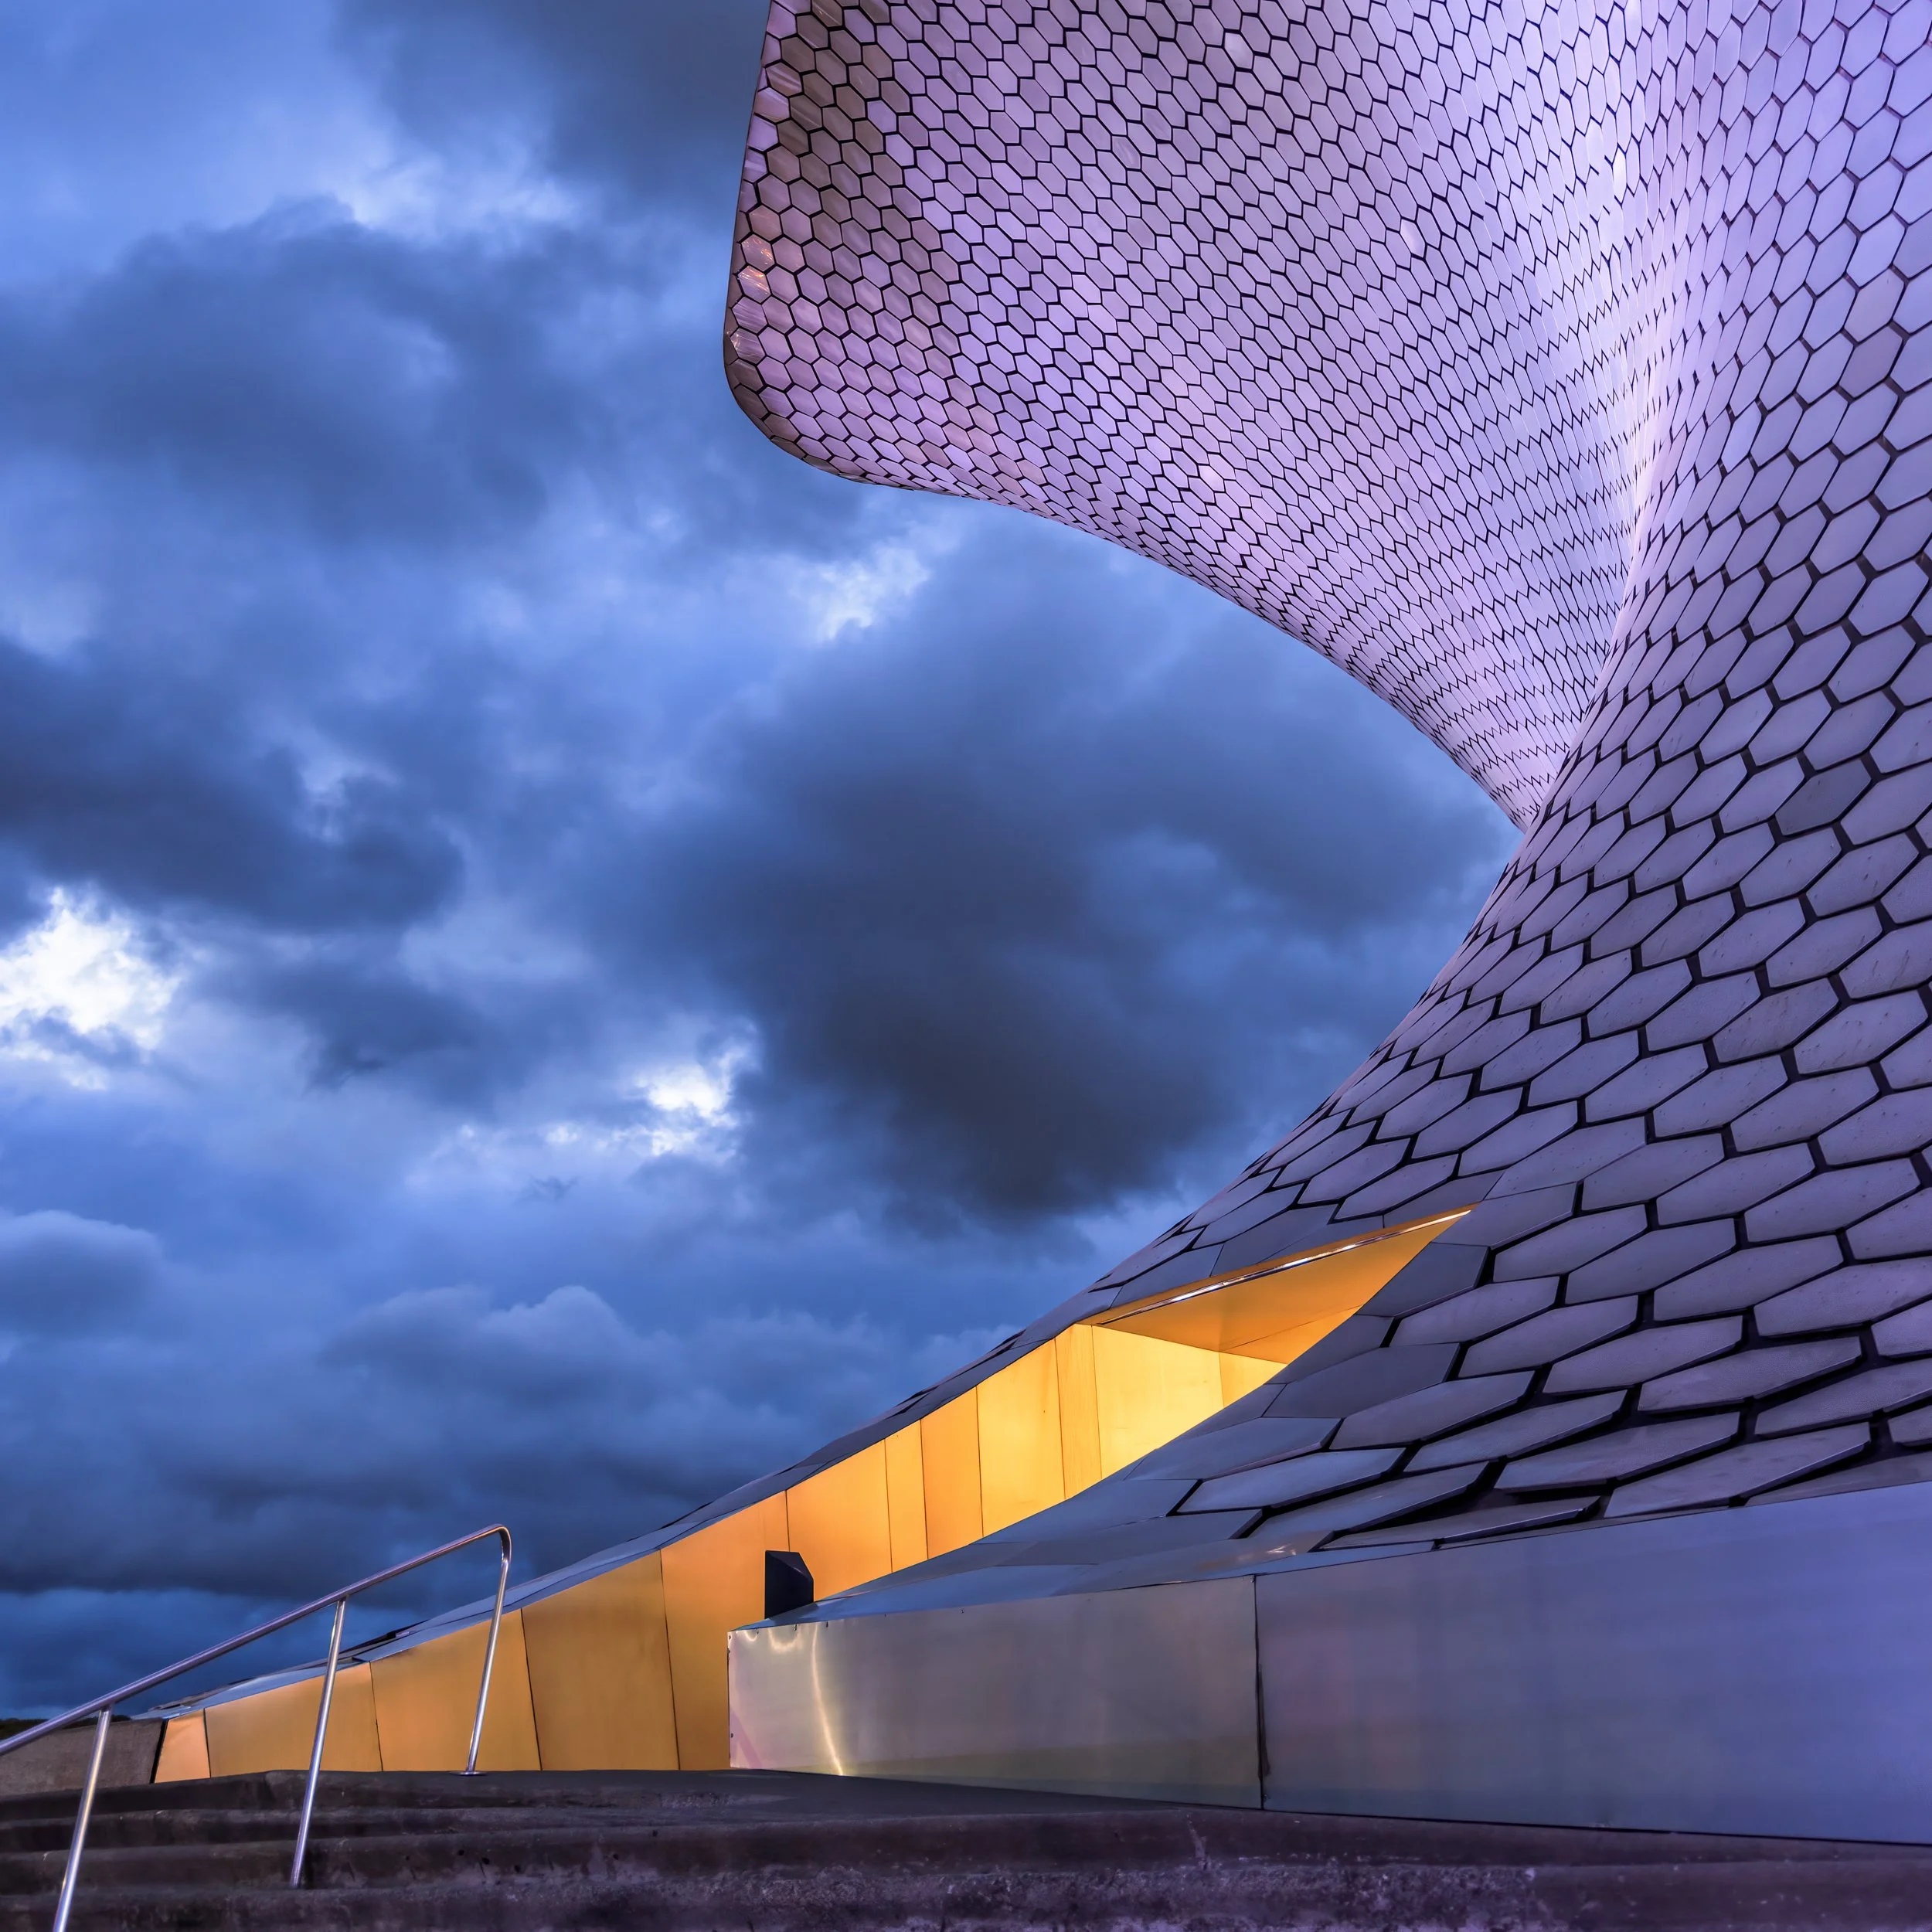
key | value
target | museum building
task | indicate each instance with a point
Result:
(1542, 1431)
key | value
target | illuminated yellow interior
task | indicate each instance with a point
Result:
(626, 1670)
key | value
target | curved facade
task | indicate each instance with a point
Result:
(1564, 373)
(1359, 317)
(1541, 1430)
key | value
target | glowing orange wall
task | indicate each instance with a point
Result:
(627, 1669)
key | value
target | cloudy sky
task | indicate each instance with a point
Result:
(550, 957)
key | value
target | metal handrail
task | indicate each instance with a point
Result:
(105, 1706)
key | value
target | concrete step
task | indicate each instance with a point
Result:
(777, 1853)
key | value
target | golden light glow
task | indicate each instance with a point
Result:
(617, 1716)
(627, 1670)
(184, 1749)
(426, 1701)
(1020, 1468)
(1277, 1311)
(714, 1580)
(1147, 1391)
(949, 1452)
(276, 1729)
(840, 1523)
(1080, 1408)
(906, 1496)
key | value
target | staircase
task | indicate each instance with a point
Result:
(778, 1852)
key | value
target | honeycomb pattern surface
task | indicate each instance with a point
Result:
(1564, 372)
(1310, 305)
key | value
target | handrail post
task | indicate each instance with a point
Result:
(71, 1877)
(322, 1733)
(339, 1600)
(489, 1654)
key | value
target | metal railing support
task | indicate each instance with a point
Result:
(102, 1708)
(70, 1877)
(489, 1656)
(322, 1735)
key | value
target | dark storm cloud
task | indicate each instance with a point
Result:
(306, 364)
(462, 690)
(304, 377)
(976, 891)
(646, 99)
(421, 1415)
(116, 774)
(640, 107)
(59, 1272)
(1026, 888)
(367, 1016)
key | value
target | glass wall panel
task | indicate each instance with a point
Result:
(840, 1523)
(426, 1702)
(950, 1453)
(1020, 1472)
(276, 1730)
(714, 1580)
(906, 1496)
(599, 1663)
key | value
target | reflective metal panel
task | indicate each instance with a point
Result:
(1141, 1693)
(1762, 1670)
